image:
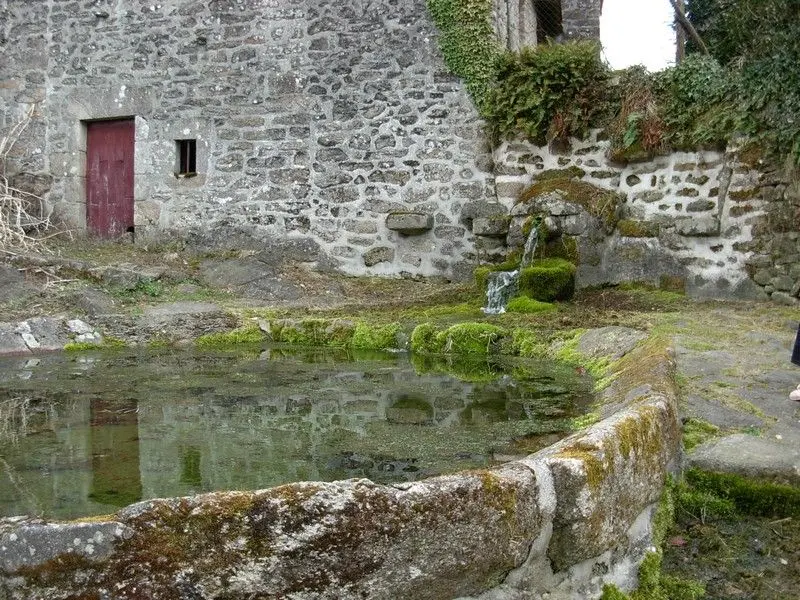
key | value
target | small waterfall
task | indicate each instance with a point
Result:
(530, 246)
(502, 285)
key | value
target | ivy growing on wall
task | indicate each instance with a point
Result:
(468, 43)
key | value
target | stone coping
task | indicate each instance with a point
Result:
(562, 521)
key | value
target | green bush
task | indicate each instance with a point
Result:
(548, 279)
(548, 92)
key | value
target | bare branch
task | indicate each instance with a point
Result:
(687, 26)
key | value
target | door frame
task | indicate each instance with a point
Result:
(84, 142)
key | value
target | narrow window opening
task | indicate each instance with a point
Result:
(549, 27)
(187, 158)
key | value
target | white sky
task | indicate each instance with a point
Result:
(638, 32)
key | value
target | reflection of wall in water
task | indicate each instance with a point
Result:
(51, 467)
(281, 437)
(116, 480)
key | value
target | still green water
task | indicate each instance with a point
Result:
(87, 434)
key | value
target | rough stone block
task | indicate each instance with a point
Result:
(409, 223)
(377, 255)
(705, 226)
(491, 226)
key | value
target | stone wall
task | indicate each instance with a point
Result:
(709, 221)
(559, 523)
(313, 119)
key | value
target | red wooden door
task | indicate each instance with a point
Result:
(109, 177)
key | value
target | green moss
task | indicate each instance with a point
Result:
(584, 421)
(375, 337)
(598, 202)
(525, 305)
(571, 172)
(230, 339)
(424, 339)
(528, 343)
(697, 431)
(107, 343)
(305, 332)
(470, 338)
(637, 229)
(548, 279)
(653, 583)
(564, 246)
(750, 496)
(568, 352)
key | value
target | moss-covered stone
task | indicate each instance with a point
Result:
(106, 343)
(470, 338)
(637, 229)
(459, 339)
(548, 279)
(598, 202)
(563, 246)
(375, 337)
(572, 172)
(424, 339)
(230, 339)
(751, 496)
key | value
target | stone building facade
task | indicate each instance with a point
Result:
(329, 123)
(332, 126)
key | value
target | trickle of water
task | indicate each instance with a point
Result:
(530, 247)
(502, 285)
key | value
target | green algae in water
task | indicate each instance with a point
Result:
(87, 434)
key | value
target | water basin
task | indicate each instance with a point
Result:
(87, 434)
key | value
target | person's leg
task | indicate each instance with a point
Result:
(795, 395)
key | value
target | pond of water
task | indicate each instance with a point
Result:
(87, 434)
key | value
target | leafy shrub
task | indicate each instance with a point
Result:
(549, 92)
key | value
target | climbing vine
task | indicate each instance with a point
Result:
(468, 43)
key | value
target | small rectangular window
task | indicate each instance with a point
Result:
(187, 157)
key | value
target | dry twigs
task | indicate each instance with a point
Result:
(22, 215)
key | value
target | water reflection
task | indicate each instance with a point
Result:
(87, 435)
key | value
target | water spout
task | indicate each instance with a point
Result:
(502, 285)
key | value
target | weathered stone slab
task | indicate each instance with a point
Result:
(491, 226)
(445, 537)
(610, 342)
(750, 456)
(33, 544)
(49, 333)
(10, 340)
(700, 226)
(409, 223)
